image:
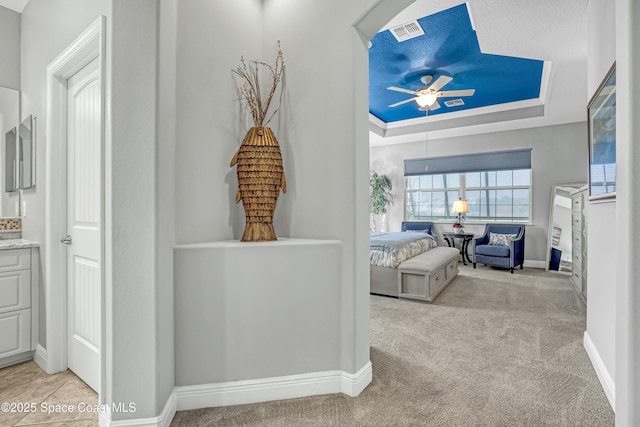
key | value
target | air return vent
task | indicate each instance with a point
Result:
(407, 31)
(454, 102)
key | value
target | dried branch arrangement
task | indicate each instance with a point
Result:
(251, 87)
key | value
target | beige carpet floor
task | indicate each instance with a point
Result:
(495, 349)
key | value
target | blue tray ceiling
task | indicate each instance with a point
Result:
(449, 47)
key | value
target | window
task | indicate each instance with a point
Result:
(498, 193)
(491, 195)
(431, 196)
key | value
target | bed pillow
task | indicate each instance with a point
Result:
(501, 239)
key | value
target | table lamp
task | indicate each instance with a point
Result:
(460, 207)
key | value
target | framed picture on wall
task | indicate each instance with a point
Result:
(602, 138)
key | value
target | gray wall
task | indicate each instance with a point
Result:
(212, 36)
(241, 316)
(627, 304)
(132, 212)
(601, 226)
(165, 230)
(558, 156)
(9, 48)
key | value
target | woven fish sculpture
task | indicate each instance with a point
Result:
(260, 179)
(260, 172)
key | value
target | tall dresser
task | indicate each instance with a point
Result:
(579, 203)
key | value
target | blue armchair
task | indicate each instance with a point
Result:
(499, 255)
(421, 226)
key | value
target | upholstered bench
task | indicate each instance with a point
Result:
(426, 275)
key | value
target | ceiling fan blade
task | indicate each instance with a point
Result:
(463, 92)
(399, 89)
(403, 102)
(440, 83)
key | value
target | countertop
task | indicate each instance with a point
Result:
(18, 244)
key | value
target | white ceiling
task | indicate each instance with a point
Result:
(549, 30)
(17, 5)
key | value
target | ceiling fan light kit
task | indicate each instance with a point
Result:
(427, 97)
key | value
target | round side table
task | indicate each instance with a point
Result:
(466, 238)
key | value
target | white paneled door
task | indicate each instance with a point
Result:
(84, 223)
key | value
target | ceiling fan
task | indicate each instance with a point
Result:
(427, 96)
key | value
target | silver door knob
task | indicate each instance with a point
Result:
(66, 240)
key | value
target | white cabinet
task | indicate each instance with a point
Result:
(579, 203)
(16, 306)
(15, 333)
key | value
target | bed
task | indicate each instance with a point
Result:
(388, 250)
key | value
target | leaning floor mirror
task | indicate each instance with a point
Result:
(559, 238)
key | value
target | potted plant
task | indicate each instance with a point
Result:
(379, 194)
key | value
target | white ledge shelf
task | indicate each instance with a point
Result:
(281, 242)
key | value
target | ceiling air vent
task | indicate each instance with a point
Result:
(454, 102)
(407, 31)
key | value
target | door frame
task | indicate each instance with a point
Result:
(91, 44)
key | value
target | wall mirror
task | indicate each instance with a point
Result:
(10, 168)
(9, 122)
(25, 153)
(559, 238)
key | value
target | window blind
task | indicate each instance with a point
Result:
(493, 161)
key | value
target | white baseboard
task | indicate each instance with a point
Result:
(40, 357)
(534, 264)
(277, 388)
(250, 391)
(605, 378)
(16, 358)
(354, 384)
(162, 420)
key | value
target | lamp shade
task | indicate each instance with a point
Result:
(427, 100)
(460, 206)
